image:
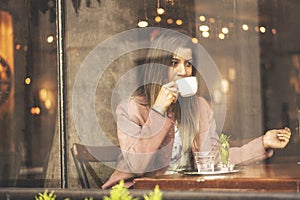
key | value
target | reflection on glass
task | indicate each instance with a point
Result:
(254, 47)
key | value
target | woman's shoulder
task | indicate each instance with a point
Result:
(204, 106)
(139, 100)
(134, 101)
(135, 108)
(133, 104)
(203, 102)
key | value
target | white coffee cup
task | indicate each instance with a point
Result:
(187, 86)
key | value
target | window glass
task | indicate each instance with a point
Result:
(252, 43)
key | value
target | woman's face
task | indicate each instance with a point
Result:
(181, 64)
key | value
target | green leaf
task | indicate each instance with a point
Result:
(119, 192)
(46, 196)
(154, 195)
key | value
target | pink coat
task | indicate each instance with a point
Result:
(146, 139)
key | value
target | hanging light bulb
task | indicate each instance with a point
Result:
(245, 27)
(212, 20)
(157, 19)
(205, 34)
(225, 30)
(159, 9)
(170, 21)
(179, 22)
(27, 81)
(195, 40)
(202, 18)
(262, 29)
(204, 28)
(142, 23)
(50, 39)
(221, 36)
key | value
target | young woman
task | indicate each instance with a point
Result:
(158, 129)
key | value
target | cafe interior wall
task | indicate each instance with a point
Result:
(85, 30)
(280, 72)
(238, 60)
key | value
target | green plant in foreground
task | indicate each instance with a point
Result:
(224, 149)
(118, 192)
(155, 195)
(46, 196)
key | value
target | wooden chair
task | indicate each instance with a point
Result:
(83, 156)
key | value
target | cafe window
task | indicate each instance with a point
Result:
(62, 74)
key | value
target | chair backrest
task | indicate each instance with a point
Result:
(83, 155)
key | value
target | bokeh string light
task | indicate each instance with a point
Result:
(207, 27)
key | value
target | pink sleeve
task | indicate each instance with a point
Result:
(141, 139)
(250, 152)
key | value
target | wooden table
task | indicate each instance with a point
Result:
(260, 177)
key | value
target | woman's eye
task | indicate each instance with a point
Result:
(174, 63)
(188, 64)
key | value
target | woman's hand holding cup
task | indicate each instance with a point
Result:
(167, 95)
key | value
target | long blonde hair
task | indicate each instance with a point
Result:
(156, 74)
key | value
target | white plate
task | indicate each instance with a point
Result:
(210, 173)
